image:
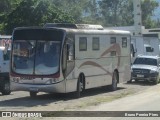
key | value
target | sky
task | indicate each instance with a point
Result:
(157, 11)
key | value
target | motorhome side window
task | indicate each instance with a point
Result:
(124, 42)
(95, 43)
(113, 53)
(113, 40)
(82, 44)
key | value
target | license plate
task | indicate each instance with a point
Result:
(140, 76)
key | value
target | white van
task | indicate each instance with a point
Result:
(4, 71)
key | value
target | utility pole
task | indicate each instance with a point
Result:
(137, 17)
(137, 39)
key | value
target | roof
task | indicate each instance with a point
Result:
(79, 31)
(74, 26)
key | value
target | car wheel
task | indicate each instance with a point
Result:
(157, 80)
(6, 88)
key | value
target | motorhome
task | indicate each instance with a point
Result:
(63, 58)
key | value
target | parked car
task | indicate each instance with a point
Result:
(4, 71)
(146, 68)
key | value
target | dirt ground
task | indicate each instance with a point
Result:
(92, 97)
(21, 101)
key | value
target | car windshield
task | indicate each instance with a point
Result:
(36, 57)
(146, 61)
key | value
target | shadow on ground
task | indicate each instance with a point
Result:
(45, 99)
(141, 82)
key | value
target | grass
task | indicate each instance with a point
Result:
(92, 102)
(103, 99)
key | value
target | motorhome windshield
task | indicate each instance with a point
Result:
(36, 56)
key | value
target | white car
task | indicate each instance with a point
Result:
(4, 71)
(146, 68)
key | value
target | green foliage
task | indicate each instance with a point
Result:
(18, 13)
(148, 7)
(112, 10)
(120, 12)
(4, 6)
(75, 8)
(35, 13)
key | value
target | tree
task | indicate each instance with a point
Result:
(14, 13)
(120, 12)
(35, 13)
(6, 6)
(127, 14)
(91, 13)
(148, 7)
(111, 11)
(79, 9)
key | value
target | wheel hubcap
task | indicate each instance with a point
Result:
(81, 86)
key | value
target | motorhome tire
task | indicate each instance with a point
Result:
(114, 81)
(33, 94)
(80, 86)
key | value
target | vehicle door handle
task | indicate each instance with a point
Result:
(4, 63)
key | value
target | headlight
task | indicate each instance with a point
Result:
(52, 80)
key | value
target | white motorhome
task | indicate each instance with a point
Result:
(64, 58)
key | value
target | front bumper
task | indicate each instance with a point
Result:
(51, 88)
(147, 77)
